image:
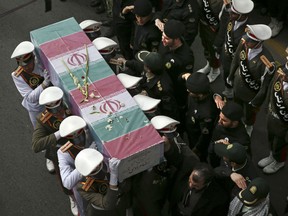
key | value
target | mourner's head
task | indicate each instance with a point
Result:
(233, 153)
(147, 104)
(143, 11)
(256, 191)
(89, 162)
(201, 176)
(256, 34)
(230, 115)
(52, 99)
(73, 129)
(24, 56)
(91, 28)
(173, 31)
(198, 85)
(240, 9)
(106, 47)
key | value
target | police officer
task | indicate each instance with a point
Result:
(185, 11)
(277, 124)
(146, 36)
(123, 24)
(30, 78)
(236, 25)
(91, 28)
(178, 58)
(230, 127)
(180, 158)
(237, 169)
(157, 84)
(249, 75)
(100, 188)
(201, 114)
(46, 135)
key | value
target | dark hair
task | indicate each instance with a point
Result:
(204, 172)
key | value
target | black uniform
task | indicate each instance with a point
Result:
(123, 25)
(146, 37)
(177, 62)
(186, 11)
(237, 134)
(200, 120)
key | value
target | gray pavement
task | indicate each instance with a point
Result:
(26, 188)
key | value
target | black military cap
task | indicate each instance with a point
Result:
(257, 189)
(234, 152)
(154, 62)
(198, 83)
(174, 29)
(142, 8)
(232, 111)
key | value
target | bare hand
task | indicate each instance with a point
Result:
(239, 180)
(128, 9)
(219, 102)
(159, 24)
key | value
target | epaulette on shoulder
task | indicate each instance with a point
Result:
(66, 146)
(87, 184)
(45, 116)
(18, 71)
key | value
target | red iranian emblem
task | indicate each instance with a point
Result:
(110, 106)
(77, 59)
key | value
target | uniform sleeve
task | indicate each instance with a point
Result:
(30, 95)
(107, 201)
(41, 139)
(69, 175)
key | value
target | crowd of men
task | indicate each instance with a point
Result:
(211, 173)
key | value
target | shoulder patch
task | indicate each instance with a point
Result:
(66, 146)
(18, 71)
(45, 116)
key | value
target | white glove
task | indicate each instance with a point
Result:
(113, 166)
(57, 135)
(46, 75)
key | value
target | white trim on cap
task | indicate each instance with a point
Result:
(90, 24)
(128, 81)
(70, 125)
(159, 122)
(146, 103)
(87, 161)
(242, 6)
(23, 48)
(50, 95)
(104, 43)
(262, 32)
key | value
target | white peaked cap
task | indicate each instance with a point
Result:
(146, 103)
(50, 95)
(87, 160)
(90, 24)
(260, 31)
(127, 80)
(104, 43)
(164, 122)
(23, 48)
(70, 125)
(242, 6)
